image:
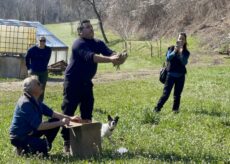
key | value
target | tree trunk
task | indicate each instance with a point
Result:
(100, 22)
(102, 31)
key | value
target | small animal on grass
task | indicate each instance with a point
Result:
(108, 128)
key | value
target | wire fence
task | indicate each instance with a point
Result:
(15, 40)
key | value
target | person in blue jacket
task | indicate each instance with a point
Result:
(87, 52)
(177, 58)
(27, 126)
(37, 59)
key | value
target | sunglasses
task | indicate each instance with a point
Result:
(42, 40)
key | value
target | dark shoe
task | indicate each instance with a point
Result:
(19, 151)
(156, 110)
(49, 145)
(175, 111)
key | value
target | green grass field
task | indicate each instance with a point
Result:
(200, 133)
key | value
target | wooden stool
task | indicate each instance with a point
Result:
(85, 139)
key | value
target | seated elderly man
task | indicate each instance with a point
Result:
(27, 127)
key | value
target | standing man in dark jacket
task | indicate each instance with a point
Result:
(37, 59)
(177, 58)
(78, 86)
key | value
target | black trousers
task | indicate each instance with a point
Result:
(34, 143)
(178, 83)
(74, 95)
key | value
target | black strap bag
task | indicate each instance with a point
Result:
(163, 73)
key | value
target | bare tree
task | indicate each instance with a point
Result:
(45, 11)
(98, 14)
(5, 8)
(121, 19)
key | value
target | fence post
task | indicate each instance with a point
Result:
(130, 46)
(151, 48)
(160, 47)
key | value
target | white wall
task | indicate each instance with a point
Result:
(57, 56)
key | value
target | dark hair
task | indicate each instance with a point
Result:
(80, 25)
(185, 36)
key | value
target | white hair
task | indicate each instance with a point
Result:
(28, 83)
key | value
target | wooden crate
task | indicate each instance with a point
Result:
(85, 139)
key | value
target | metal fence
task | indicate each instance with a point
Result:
(15, 40)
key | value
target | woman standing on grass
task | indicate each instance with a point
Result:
(177, 58)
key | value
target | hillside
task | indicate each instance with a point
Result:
(207, 19)
(139, 19)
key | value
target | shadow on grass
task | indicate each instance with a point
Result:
(225, 120)
(101, 111)
(210, 113)
(227, 57)
(226, 123)
(109, 155)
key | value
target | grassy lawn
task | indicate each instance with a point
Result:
(200, 133)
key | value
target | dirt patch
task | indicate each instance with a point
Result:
(99, 78)
(10, 86)
(115, 76)
(217, 61)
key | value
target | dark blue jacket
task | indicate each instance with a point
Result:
(82, 68)
(37, 59)
(27, 116)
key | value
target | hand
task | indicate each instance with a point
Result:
(65, 121)
(115, 59)
(78, 119)
(75, 119)
(180, 50)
